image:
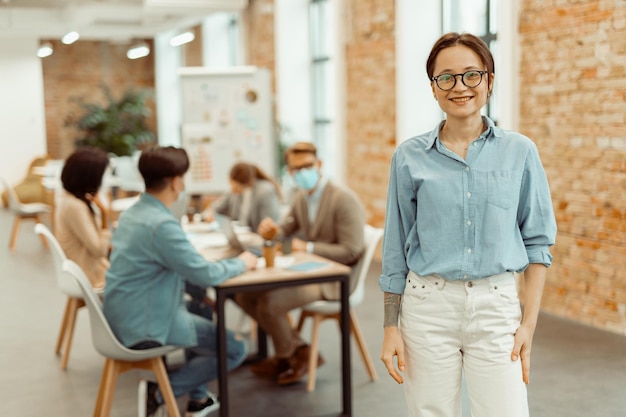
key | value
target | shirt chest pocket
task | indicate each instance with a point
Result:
(503, 188)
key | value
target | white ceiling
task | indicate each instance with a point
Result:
(113, 20)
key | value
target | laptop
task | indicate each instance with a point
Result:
(226, 225)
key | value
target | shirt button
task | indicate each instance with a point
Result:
(464, 276)
(470, 284)
(469, 222)
(475, 143)
(469, 250)
(467, 168)
(468, 195)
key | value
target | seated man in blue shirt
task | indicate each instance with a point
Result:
(150, 262)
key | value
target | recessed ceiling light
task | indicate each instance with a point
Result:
(45, 50)
(182, 39)
(138, 51)
(70, 38)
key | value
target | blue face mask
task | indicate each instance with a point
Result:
(306, 178)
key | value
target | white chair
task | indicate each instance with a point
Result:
(322, 310)
(23, 211)
(119, 358)
(69, 287)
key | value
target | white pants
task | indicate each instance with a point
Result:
(450, 326)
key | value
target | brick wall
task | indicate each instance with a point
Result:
(258, 23)
(371, 109)
(192, 51)
(77, 70)
(573, 90)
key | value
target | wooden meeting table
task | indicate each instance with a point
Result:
(276, 277)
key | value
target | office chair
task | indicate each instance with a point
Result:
(119, 358)
(323, 309)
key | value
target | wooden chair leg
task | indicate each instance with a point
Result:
(15, 232)
(303, 316)
(109, 388)
(61, 337)
(75, 304)
(360, 340)
(164, 386)
(108, 363)
(313, 355)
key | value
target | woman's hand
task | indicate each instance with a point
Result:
(522, 348)
(393, 346)
(208, 216)
(95, 199)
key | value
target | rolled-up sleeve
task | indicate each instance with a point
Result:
(536, 218)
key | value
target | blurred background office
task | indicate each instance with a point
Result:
(349, 76)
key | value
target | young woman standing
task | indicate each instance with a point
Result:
(468, 209)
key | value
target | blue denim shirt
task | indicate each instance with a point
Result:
(466, 219)
(151, 258)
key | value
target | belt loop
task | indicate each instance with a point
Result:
(439, 281)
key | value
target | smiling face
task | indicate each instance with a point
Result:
(461, 101)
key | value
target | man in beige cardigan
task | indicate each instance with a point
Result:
(324, 219)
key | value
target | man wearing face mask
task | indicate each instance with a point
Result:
(324, 219)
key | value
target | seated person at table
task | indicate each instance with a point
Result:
(253, 196)
(329, 221)
(82, 234)
(150, 262)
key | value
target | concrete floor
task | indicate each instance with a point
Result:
(577, 370)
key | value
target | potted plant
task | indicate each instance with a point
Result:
(119, 125)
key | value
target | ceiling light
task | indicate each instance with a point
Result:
(182, 38)
(44, 50)
(138, 51)
(70, 38)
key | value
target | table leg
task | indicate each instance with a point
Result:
(345, 349)
(222, 370)
(261, 340)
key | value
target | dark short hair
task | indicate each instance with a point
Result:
(158, 165)
(464, 39)
(300, 147)
(82, 172)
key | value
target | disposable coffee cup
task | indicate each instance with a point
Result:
(269, 253)
(285, 246)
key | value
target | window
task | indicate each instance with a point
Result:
(234, 40)
(322, 80)
(478, 17)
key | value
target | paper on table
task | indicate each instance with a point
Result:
(207, 240)
(279, 262)
(201, 227)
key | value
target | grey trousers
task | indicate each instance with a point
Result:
(270, 308)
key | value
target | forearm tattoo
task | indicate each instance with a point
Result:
(392, 309)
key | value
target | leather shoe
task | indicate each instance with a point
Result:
(270, 368)
(298, 366)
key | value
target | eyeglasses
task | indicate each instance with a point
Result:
(470, 79)
(304, 166)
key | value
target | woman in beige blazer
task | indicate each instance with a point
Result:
(80, 230)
